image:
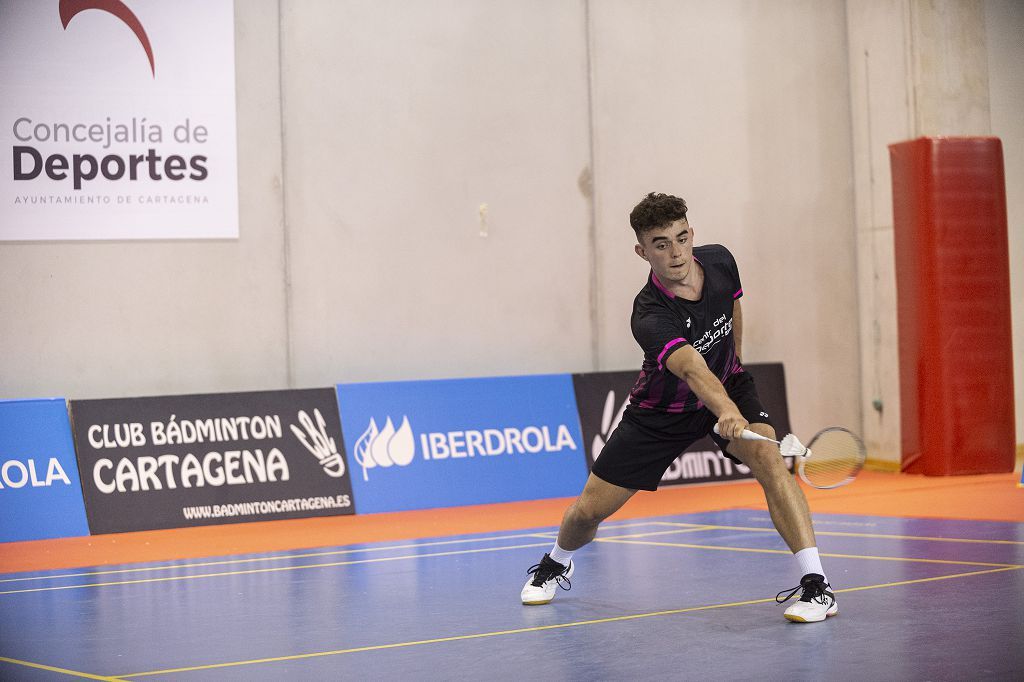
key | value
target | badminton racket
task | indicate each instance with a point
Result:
(832, 458)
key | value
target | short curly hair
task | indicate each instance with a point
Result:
(656, 210)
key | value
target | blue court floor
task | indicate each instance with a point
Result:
(683, 597)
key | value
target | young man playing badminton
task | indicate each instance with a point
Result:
(689, 323)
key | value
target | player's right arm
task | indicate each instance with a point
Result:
(689, 365)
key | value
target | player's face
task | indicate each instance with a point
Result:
(669, 250)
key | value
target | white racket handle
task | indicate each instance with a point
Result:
(750, 435)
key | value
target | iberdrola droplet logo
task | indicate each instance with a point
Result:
(385, 447)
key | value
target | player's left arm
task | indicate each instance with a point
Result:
(737, 328)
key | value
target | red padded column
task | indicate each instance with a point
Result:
(953, 305)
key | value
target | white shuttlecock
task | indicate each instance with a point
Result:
(792, 447)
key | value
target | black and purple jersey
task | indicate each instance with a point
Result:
(663, 323)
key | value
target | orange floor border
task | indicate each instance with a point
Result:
(995, 497)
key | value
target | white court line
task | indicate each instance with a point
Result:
(303, 555)
(612, 539)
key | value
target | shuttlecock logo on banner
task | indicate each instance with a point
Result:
(386, 446)
(315, 439)
(94, 144)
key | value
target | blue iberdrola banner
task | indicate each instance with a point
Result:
(446, 443)
(40, 493)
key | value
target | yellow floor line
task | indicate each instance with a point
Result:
(726, 548)
(539, 628)
(763, 529)
(63, 671)
(653, 533)
(929, 580)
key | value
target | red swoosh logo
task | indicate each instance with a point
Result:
(70, 8)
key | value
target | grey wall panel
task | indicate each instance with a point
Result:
(1004, 24)
(401, 120)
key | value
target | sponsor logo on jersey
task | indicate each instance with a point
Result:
(722, 329)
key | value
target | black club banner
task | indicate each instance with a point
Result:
(193, 460)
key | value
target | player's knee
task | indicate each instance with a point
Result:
(590, 511)
(766, 463)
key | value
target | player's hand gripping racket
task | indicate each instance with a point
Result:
(833, 458)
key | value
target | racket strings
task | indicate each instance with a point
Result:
(834, 456)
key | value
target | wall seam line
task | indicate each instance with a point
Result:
(285, 232)
(595, 308)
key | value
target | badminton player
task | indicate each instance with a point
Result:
(689, 322)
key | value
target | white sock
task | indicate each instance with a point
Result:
(560, 555)
(809, 562)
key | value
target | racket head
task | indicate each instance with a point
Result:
(834, 458)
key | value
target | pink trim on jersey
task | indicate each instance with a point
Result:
(682, 393)
(668, 346)
(656, 388)
(657, 283)
(734, 367)
(738, 293)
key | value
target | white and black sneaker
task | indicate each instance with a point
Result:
(547, 575)
(817, 602)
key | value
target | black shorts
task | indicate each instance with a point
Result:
(646, 442)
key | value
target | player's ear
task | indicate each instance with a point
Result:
(640, 251)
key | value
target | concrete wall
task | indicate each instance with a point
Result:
(1004, 26)
(401, 120)
(942, 67)
(441, 189)
(879, 52)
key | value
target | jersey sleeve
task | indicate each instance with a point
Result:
(660, 335)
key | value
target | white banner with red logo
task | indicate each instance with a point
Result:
(117, 120)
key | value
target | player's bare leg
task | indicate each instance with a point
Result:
(598, 501)
(792, 518)
(786, 502)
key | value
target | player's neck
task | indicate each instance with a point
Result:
(691, 286)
